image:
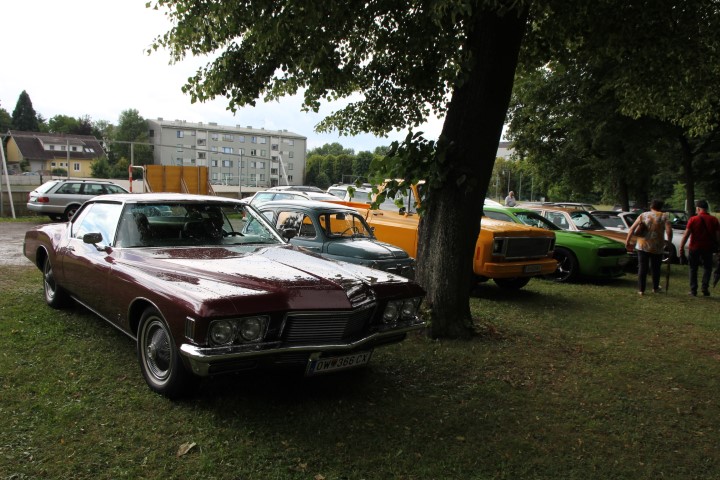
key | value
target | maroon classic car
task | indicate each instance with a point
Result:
(206, 286)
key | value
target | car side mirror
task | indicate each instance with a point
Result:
(92, 238)
(95, 238)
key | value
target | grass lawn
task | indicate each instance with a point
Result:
(575, 381)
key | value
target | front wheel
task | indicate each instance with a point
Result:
(159, 359)
(55, 296)
(567, 268)
(511, 283)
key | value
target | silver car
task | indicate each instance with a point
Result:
(60, 199)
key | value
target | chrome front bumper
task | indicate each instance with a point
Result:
(201, 359)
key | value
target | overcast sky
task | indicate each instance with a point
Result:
(87, 57)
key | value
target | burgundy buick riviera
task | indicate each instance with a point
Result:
(206, 286)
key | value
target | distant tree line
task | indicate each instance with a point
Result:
(332, 163)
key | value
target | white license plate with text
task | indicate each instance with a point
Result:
(332, 364)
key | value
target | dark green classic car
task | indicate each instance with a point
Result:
(579, 254)
(336, 232)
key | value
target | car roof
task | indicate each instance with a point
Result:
(306, 205)
(164, 197)
(84, 180)
(296, 188)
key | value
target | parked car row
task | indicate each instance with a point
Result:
(579, 254)
(210, 285)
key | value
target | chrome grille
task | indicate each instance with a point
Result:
(326, 327)
(528, 247)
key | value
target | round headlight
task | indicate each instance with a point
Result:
(408, 308)
(222, 332)
(251, 329)
(391, 312)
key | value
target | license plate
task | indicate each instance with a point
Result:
(332, 364)
(532, 268)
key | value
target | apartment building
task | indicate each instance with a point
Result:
(234, 155)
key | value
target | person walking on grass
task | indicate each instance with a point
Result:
(510, 199)
(704, 232)
(651, 244)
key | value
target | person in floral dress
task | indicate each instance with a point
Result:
(650, 246)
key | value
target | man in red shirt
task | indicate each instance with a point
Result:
(704, 232)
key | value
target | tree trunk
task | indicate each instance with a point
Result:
(472, 129)
(687, 160)
(624, 195)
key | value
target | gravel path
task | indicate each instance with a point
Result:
(11, 242)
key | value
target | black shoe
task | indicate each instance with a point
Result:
(706, 293)
(693, 294)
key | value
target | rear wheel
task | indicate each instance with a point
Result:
(511, 283)
(55, 296)
(70, 212)
(567, 269)
(160, 361)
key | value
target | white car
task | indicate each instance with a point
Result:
(269, 195)
(359, 194)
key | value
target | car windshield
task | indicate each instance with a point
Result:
(534, 219)
(344, 224)
(192, 224)
(584, 221)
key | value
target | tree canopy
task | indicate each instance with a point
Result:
(5, 121)
(24, 117)
(619, 89)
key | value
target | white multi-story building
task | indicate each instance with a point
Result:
(234, 155)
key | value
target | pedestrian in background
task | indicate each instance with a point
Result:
(651, 244)
(704, 232)
(510, 199)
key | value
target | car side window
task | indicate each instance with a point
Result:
(114, 189)
(302, 223)
(93, 189)
(558, 219)
(498, 216)
(98, 218)
(70, 188)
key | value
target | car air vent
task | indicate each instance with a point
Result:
(326, 327)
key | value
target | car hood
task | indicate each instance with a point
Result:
(612, 234)
(271, 278)
(364, 248)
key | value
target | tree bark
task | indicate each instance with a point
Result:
(687, 160)
(472, 129)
